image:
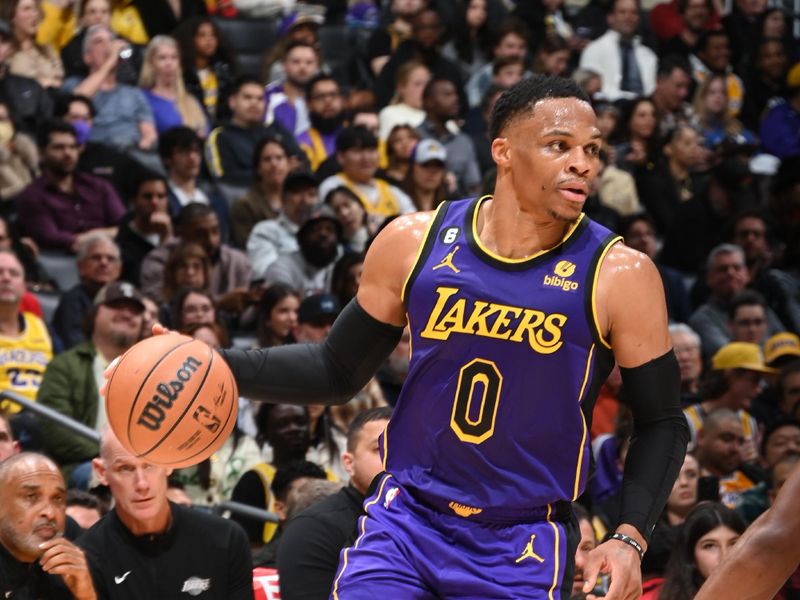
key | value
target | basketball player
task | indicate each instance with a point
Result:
(518, 306)
(765, 556)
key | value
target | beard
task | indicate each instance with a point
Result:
(316, 255)
(326, 124)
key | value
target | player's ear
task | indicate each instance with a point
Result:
(501, 151)
(100, 468)
(347, 462)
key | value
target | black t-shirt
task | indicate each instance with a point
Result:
(308, 556)
(27, 581)
(199, 555)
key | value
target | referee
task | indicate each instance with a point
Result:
(148, 547)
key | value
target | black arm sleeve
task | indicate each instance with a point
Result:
(659, 440)
(328, 373)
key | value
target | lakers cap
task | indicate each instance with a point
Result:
(780, 345)
(740, 355)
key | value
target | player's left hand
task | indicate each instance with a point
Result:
(62, 557)
(622, 563)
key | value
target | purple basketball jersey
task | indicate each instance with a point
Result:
(506, 361)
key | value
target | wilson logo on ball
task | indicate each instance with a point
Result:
(154, 411)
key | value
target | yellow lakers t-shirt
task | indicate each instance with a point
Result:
(23, 360)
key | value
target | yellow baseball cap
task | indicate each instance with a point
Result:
(740, 355)
(793, 76)
(781, 344)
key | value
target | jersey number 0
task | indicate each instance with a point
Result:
(479, 378)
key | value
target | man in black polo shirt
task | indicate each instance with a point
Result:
(37, 562)
(308, 556)
(148, 547)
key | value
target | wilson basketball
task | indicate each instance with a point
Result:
(171, 400)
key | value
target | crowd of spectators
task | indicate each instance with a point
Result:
(234, 202)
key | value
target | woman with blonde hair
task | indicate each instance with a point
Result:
(29, 58)
(161, 81)
(716, 123)
(406, 106)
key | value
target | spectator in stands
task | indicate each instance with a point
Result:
(284, 428)
(147, 226)
(384, 40)
(191, 307)
(669, 96)
(781, 123)
(352, 216)
(707, 536)
(551, 58)
(310, 268)
(229, 149)
(272, 238)
(347, 277)
(674, 180)
(734, 381)
(8, 445)
(399, 146)
(640, 234)
(36, 559)
(29, 58)
(308, 555)
(440, 101)
(357, 153)
(426, 182)
(427, 33)
(781, 349)
(83, 508)
(100, 160)
(683, 496)
(628, 68)
(161, 81)
(726, 277)
(208, 64)
(714, 115)
(754, 502)
(263, 200)
(25, 345)
(742, 24)
(512, 40)
(326, 119)
(180, 149)
(696, 16)
(277, 316)
(747, 318)
(124, 119)
(285, 99)
(19, 160)
(472, 34)
(686, 344)
(507, 71)
(405, 107)
(230, 269)
(721, 450)
(149, 317)
(72, 380)
(187, 266)
(27, 100)
(586, 544)
(766, 80)
(315, 316)
(783, 402)
(26, 250)
(300, 25)
(171, 547)
(99, 264)
(62, 207)
(712, 56)
(394, 371)
(636, 136)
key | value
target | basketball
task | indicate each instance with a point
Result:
(171, 400)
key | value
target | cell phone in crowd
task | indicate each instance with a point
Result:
(708, 489)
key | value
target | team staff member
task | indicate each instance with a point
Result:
(36, 559)
(501, 294)
(148, 547)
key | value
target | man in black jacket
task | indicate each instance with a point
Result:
(308, 556)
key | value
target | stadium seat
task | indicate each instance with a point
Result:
(339, 47)
(61, 268)
(250, 38)
(49, 303)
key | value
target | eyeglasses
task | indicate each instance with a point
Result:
(325, 96)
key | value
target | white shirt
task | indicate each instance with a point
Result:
(603, 56)
(184, 198)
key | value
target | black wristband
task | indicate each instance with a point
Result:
(625, 539)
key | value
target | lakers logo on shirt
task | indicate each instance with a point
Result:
(462, 510)
(529, 553)
(560, 278)
(447, 261)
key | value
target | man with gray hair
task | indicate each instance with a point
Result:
(36, 560)
(99, 263)
(124, 119)
(686, 344)
(726, 276)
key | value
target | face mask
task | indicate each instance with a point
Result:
(6, 132)
(82, 131)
